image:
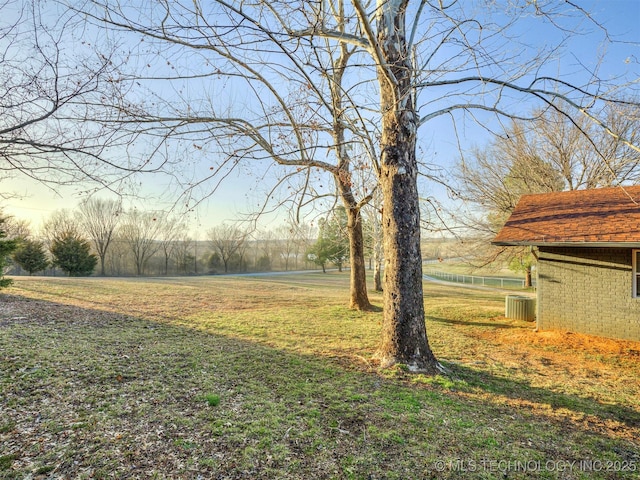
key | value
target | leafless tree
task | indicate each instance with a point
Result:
(265, 249)
(171, 229)
(141, 231)
(60, 224)
(301, 237)
(491, 183)
(410, 64)
(227, 240)
(16, 228)
(373, 216)
(119, 257)
(582, 153)
(100, 218)
(294, 135)
(289, 243)
(58, 95)
(549, 153)
(495, 177)
(183, 254)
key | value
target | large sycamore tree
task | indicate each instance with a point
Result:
(292, 88)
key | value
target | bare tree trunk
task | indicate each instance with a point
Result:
(377, 243)
(377, 274)
(358, 284)
(404, 333)
(527, 277)
(359, 299)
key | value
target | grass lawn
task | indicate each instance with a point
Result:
(460, 268)
(219, 377)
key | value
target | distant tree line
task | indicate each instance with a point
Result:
(101, 238)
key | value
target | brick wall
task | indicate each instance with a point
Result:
(587, 290)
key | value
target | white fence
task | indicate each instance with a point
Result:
(475, 280)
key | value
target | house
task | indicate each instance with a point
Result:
(588, 247)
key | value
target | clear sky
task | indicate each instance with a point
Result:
(236, 194)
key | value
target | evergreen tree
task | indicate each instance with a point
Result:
(31, 256)
(333, 243)
(214, 263)
(6, 248)
(318, 253)
(72, 254)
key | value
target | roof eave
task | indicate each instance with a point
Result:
(527, 243)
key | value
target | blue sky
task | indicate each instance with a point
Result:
(235, 195)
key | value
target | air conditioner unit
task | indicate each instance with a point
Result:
(520, 308)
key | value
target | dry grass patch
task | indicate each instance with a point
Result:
(274, 378)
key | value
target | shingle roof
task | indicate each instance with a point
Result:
(599, 216)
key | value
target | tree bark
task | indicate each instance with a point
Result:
(404, 333)
(359, 298)
(377, 273)
(376, 240)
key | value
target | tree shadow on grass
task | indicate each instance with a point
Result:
(450, 321)
(375, 308)
(145, 375)
(523, 391)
